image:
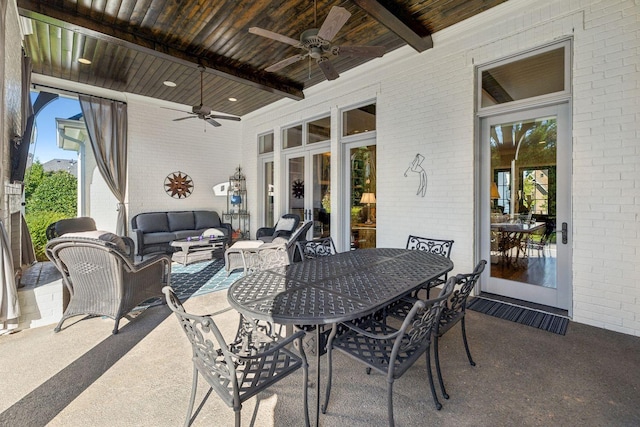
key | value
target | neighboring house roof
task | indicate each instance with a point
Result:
(70, 166)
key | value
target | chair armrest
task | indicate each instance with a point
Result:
(139, 241)
(227, 226)
(131, 246)
(265, 231)
(157, 258)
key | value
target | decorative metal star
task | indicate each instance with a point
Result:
(178, 185)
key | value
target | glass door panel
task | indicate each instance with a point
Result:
(321, 194)
(362, 196)
(268, 206)
(526, 164)
(295, 186)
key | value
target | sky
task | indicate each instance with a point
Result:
(45, 146)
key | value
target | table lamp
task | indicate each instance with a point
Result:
(368, 198)
(495, 195)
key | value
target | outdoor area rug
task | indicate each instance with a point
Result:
(198, 279)
(526, 316)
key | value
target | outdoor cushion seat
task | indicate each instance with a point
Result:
(285, 226)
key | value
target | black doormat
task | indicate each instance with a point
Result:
(526, 316)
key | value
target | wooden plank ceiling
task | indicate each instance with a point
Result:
(135, 45)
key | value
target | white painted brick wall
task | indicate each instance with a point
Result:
(425, 105)
(159, 146)
(41, 305)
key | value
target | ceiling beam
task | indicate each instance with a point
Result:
(389, 20)
(39, 11)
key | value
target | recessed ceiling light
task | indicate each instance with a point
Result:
(232, 99)
(169, 83)
(84, 61)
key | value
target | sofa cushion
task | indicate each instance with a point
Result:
(152, 222)
(206, 219)
(158, 237)
(180, 221)
(183, 234)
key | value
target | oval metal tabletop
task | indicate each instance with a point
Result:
(337, 288)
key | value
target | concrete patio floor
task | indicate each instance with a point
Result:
(141, 377)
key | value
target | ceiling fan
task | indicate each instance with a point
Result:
(317, 43)
(203, 112)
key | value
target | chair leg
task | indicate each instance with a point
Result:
(115, 327)
(436, 353)
(329, 374)
(430, 376)
(390, 403)
(192, 399)
(466, 344)
(237, 411)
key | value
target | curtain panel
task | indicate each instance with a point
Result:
(106, 122)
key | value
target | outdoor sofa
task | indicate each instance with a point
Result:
(155, 230)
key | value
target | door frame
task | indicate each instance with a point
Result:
(561, 297)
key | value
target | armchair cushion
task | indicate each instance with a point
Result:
(105, 236)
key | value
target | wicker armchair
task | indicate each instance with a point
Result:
(103, 280)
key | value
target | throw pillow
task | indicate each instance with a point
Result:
(285, 224)
(212, 232)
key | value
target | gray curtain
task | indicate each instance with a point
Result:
(106, 122)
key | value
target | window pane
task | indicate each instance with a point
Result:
(319, 130)
(268, 194)
(533, 76)
(265, 143)
(359, 120)
(292, 137)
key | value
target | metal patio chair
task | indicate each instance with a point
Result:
(310, 249)
(388, 350)
(434, 246)
(453, 311)
(240, 370)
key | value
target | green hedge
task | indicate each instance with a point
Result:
(38, 223)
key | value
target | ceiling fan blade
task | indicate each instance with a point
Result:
(214, 116)
(275, 36)
(362, 51)
(212, 122)
(280, 65)
(327, 68)
(184, 118)
(334, 21)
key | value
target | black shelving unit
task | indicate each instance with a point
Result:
(237, 214)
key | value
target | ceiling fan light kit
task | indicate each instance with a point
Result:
(317, 43)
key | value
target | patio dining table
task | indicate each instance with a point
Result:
(334, 289)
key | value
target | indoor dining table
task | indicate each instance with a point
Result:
(334, 289)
